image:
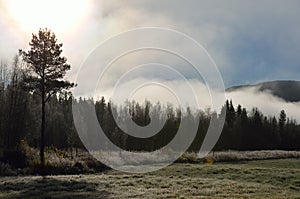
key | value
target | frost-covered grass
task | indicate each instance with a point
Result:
(162, 156)
(253, 179)
(253, 155)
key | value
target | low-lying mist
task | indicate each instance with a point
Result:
(250, 97)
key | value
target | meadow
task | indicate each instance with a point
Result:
(277, 178)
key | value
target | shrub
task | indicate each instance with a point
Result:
(53, 150)
(188, 158)
(31, 154)
(209, 160)
(6, 170)
(94, 164)
(15, 158)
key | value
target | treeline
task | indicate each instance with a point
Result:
(20, 113)
(20, 118)
(251, 130)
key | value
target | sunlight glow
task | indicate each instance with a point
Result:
(61, 16)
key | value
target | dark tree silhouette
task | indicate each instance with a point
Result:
(46, 69)
(282, 120)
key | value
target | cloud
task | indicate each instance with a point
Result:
(250, 41)
(10, 40)
(171, 91)
(269, 104)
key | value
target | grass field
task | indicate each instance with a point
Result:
(253, 179)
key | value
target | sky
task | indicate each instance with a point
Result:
(250, 41)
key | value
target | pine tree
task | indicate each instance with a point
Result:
(46, 70)
(282, 122)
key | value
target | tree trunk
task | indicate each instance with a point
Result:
(42, 158)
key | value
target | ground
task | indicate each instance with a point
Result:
(253, 179)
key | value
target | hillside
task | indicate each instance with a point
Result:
(287, 90)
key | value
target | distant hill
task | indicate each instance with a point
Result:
(287, 90)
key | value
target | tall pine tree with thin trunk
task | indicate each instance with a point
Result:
(46, 68)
